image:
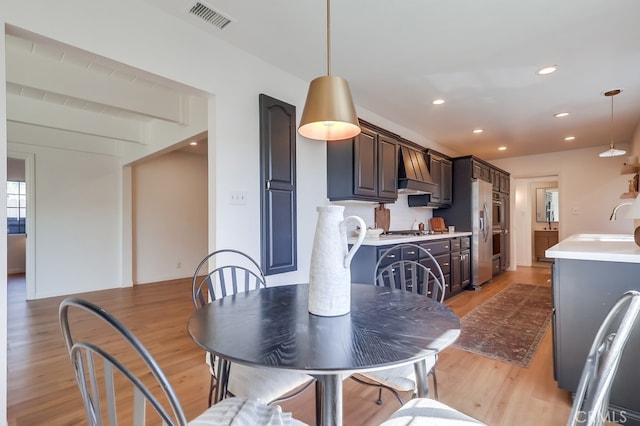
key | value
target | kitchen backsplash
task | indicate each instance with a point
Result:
(402, 216)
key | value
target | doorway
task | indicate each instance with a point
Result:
(545, 220)
(526, 219)
(21, 243)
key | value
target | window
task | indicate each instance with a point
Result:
(16, 207)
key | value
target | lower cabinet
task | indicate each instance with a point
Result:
(583, 293)
(451, 254)
(460, 264)
(542, 241)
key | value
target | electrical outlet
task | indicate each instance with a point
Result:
(576, 210)
(238, 197)
(179, 265)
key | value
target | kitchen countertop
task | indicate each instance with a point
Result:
(601, 247)
(384, 240)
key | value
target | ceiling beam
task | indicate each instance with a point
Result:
(26, 69)
(21, 109)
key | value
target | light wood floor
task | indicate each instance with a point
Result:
(41, 388)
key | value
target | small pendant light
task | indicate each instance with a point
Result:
(612, 151)
(329, 113)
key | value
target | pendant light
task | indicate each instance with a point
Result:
(329, 113)
(612, 152)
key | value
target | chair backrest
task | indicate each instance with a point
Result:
(591, 401)
(101, 372)
(225, 272)
(419, 273)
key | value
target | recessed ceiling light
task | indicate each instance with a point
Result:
(569, 138)
(502, 148)
(560, 114)
(548, 70)
(478, 131)
(438, 101)
(194, 143)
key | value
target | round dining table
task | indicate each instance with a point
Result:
(272, 328)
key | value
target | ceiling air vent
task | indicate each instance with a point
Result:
(211, 16)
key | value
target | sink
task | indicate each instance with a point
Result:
(604, 237)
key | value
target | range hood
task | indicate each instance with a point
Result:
(413, 174)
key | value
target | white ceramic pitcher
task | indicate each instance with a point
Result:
(330, 272)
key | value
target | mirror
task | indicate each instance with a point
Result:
(547, 208)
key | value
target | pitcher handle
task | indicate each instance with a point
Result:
(358, 243)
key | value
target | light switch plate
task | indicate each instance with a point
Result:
(238, 197)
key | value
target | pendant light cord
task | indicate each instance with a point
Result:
(611, 144)
(329, 37)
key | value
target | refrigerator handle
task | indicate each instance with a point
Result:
(485, 231)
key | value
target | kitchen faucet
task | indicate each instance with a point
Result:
(615, 210)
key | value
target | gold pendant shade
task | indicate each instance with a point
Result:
(329, 113)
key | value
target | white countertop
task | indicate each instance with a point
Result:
(384, 240)
(602, 247)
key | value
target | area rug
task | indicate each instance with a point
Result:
(509, 326)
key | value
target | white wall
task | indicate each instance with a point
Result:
(77, 220)
(402, 216)
(589, 186)
(170, 222)
(3, 235)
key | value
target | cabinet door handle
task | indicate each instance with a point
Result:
(411, 252)
(268, 184)
(445, 264)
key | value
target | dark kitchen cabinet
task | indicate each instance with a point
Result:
(363, 168)
(460, 264)
(441, 174)
(583, 293)
(465, 170)
(480, 170)
(440, 170)
(504, 183)
(364, 262)
(278, 217)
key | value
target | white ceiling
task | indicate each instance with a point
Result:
(68, 91)
(481, 56)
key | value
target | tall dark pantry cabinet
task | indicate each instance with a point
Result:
(466, 170)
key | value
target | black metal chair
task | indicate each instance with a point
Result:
(227, 272)
(419, 273)
(110, 372)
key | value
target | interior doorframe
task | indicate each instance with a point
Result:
(522, 251)
(30, 241)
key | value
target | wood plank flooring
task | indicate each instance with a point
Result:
(42, 390)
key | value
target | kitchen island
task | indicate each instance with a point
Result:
(590, 273)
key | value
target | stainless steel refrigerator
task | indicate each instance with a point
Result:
(482, 234)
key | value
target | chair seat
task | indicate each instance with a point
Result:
(426, 411)
(402, 379)
(240, 411)
(263, 383)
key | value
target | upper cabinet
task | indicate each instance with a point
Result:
(440, 169)
(484, 171)
(363, 168)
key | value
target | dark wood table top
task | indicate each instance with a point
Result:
(272, 327)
